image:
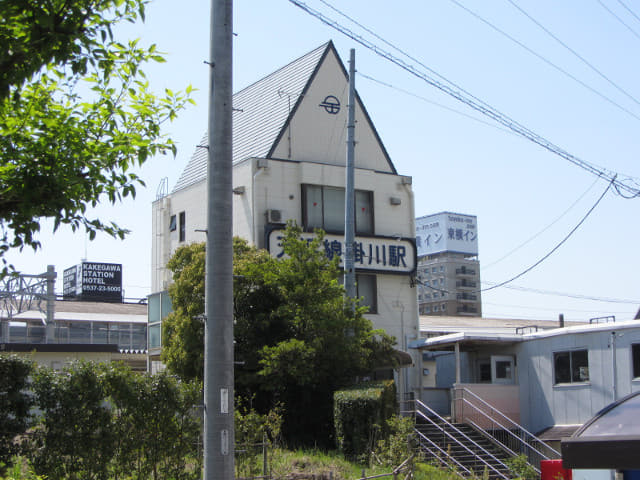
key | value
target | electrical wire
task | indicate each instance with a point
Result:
(527, 270)
(576, 54)
(612, 13)
(629, 10)
(459, 94)
(489, 265)
(568, 295)
(436, 104)
(548, 62)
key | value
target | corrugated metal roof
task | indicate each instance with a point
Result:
(260, 112)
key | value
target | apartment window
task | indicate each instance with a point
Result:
(435, 308)
(183, 227)
(442, 268)
(571, 367)
(367, 290)
(443, 307)
(173, 223)
(323, 207)
(434, 270)
(635, 356)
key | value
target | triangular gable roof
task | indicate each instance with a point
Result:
(264, 110)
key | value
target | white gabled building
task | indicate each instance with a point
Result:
(289, 155)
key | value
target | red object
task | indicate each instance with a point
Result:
(552, 470)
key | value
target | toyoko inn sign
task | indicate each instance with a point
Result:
(447, 232)
(376, 254)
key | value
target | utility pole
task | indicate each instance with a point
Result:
(349, 208)
(219, 434)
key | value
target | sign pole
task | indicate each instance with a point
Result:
(349, 209)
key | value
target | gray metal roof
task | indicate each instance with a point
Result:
(260, 113)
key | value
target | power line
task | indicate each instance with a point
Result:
(431, 102)
(475, 103)
(554, 248)
(619, 19)
(585, 61)
(545, 60)
(569, 295)
(548, 309)
(629, 10)
(541, 231)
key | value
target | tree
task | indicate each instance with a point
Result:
(76, 115)
(295, 339)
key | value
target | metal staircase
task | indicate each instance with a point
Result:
(458, 447)
(481, 444)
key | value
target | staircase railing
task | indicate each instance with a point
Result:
(427, 414)
(471, 409)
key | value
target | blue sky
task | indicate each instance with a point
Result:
(526, 198)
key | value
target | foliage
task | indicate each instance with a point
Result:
(183, 329)
(522, 468)
(104, 421)
(76, 115)
(360, 416)
(297, 340)
(20, 470)
(157, 428)
(15, 404)
(398, 444)
(256, 437)
(75, 438)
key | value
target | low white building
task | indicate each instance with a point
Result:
(289, 156)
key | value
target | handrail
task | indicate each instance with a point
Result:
(508, 431)
(523, 438)
(442, 452)
(502, 415)
(462, 434)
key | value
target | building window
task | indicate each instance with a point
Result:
(183, 227)
(635, 355)
(323, 207)
(173, 224)
(571, 367)
(367, 290)
(435, 308)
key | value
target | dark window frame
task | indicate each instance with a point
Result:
(567, 365)
(183, 227)
(635, 360)
(305, 214)
(173, 223)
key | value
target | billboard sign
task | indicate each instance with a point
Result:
(447, 232)
(70, 284)
(101, 281)
(373, 254)
(94, 281)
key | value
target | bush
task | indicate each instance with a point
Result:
(15, 403)
(360, 415)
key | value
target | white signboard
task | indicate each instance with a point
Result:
(379, 254)
(447, 232)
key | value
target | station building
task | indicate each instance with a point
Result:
(289, 157)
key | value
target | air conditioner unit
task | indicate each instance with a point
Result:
(274, 216)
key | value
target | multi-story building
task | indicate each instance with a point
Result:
(289, 155)
(448, 267)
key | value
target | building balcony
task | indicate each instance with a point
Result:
(465, 271)
(464, 283)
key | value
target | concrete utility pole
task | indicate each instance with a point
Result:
(349, 202)
(219, 434)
